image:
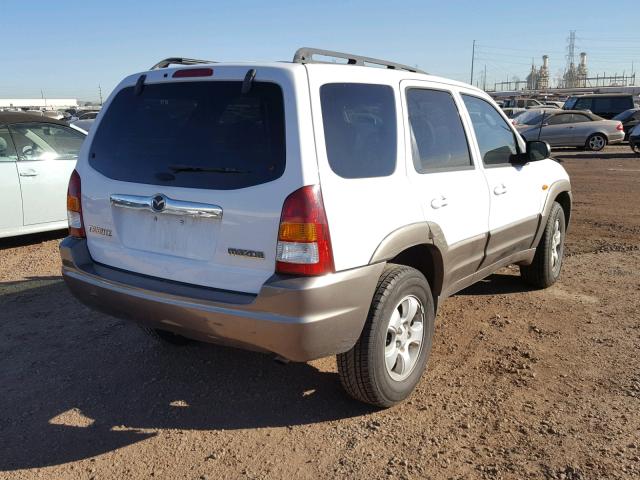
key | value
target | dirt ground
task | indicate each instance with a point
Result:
(520, 383)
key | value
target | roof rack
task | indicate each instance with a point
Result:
(178, 61)
(306, 54)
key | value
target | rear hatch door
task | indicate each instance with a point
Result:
(185, 179)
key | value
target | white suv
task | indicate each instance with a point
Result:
(306, 209)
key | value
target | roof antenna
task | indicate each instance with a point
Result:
(248, 80)
(140, 85)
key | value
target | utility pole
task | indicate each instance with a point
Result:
(45, 100)
(100, 93)
(484, 78)
(473, 59)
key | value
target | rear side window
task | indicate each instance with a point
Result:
(360, 129)
(193, 134)
(612, 104)
(496, 140)
(438, 140)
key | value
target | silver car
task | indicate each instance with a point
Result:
(569, 128)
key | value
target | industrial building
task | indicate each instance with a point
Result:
(39, 103)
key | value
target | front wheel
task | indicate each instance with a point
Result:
(544, 271)
(596, 142)
(387, 361)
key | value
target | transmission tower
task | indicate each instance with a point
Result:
(570, 74)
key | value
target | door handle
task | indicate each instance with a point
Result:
(29, 173)
(500, 189)
(439, 202)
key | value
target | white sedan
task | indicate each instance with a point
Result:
(37, 156)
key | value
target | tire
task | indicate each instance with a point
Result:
(545, 269)
(165, 336)
(375, 370)
(636, 148)
(596, 142)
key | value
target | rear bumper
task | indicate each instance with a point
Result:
(299, 318)
(617, 137)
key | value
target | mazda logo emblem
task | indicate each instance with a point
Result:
(158, 203)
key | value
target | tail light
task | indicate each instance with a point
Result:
(74, 207)
(304, 246)
(620, 128)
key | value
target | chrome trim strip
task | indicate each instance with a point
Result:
(171, 206)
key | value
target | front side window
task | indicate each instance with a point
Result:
(496, 140)
(46, 141)
(582, 104)
(7, 149)
(360, 129)
(438, 140)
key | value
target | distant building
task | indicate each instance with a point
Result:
(39, 103)
(539, 79)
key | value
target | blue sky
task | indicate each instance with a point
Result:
(69, 47)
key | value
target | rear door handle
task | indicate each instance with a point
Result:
(29, 173)
(500, 189)
(439, 202)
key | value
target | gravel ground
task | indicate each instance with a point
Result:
(520, 383)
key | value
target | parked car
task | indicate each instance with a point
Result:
(521, 103)
(83, 125)
(88, 115)
(553, 104)
(604, 105)
(570, 128)
(307, 209)
(513, 112)
(634, 139)
(629, 118)
(37, 156)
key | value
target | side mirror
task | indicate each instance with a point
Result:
(538, 150)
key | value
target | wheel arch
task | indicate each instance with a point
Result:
(420, 246)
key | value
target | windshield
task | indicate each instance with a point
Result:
(529, 118)
(624, 116)
(193, 134)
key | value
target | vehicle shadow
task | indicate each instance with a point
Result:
(497, 284)
(32, 239)
(595, 155)
(76, 383)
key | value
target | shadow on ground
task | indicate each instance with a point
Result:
(76, 384)
(497, 284)
(32, 239)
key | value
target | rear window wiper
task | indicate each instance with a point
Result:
(193, 168)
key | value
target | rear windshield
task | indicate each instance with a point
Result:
(193, 134)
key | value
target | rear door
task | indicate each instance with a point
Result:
(451, 189)
(185, 178)
(10, 199)
(47, 156)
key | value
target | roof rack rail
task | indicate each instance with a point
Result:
(178, 61)
(306, 54)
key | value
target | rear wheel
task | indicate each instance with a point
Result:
(387, 361)
(636, 148)
(596, 142)
(166, 336)
(547, 262)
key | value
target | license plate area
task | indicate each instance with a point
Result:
(168, 234)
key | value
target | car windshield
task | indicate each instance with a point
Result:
(529, 118)
(624, 116)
